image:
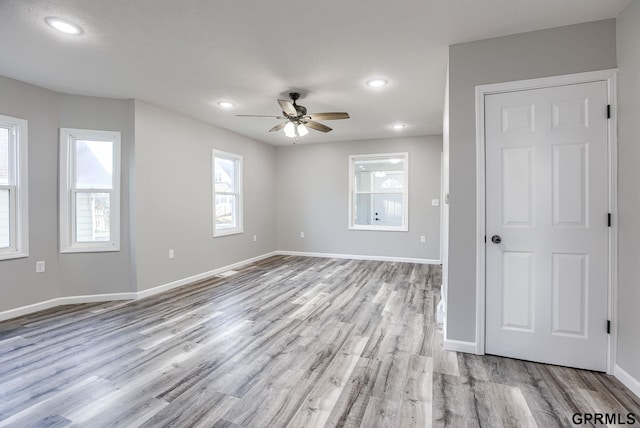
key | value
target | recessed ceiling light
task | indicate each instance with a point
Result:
(64, 26)
(377, 83)
(225, 104)
(398, 126)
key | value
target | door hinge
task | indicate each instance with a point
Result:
(608, 326)
(609, 219)
(608, 111)
(485, 239)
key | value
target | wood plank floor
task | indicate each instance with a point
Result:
(286, 342)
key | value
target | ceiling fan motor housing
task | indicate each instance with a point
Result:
(302, 110)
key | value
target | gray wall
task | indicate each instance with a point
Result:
(174, 171)
(97, 273)
(313, 197)
(19, 284)
(628, 39)
(68, 274)
(173, 201)
(564, 50)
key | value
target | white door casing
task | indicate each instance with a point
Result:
(547, 197)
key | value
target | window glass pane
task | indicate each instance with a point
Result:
(94, 164)
(388, 209)
(363, 209)
(225, 175)
(379, 174)
(225, 211)
(378, 209)
(4, 156)
(5, 235)
(93, 217)
(388, 180)
(363, 179)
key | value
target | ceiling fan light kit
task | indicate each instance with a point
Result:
(302, 130)
(297, 121)
(290, 130)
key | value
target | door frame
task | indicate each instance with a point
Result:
(610, 77)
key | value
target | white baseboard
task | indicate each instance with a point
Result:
(629, 381)
(60, 301)
(93, 298)
(68, 300)
(359, 257)
(460, 346)
(24, 310)
(199, 277)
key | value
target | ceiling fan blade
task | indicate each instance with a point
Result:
(288, 108)
(317, 126)
(260, 115)
(329, 116)
(279, 126)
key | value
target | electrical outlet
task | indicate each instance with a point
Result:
(255, 238)
(301, 234)
(40, 267)
(423, 239)
(435, 202)
(171, 254)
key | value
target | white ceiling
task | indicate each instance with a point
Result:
(188, 54)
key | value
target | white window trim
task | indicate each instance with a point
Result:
(405, 198)
(67, 213)
(240, 221)
(19, 202)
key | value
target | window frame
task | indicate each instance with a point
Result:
(404, 227)
(238, 193)
(18, 188)
(68, 191)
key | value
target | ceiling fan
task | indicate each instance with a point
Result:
(297, 120)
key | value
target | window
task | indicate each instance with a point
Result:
(89, 190)
(227, 193)
(378, 196)
(14, 229)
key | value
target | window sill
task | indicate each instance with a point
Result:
(90, 249)
(220, 233)
(9, 255)
(381, 228)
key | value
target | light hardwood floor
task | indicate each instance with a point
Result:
(286, 342)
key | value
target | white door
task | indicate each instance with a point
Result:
(547, 201)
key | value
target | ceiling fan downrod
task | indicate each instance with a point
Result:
(302, 110)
